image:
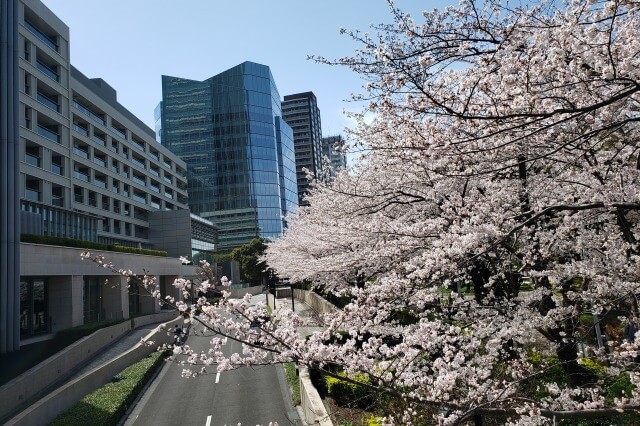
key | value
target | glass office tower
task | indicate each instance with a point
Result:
(241, 169)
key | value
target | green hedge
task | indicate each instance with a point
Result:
(70, 242)
(72, 334)
(350, 394)
(107, 405)
(294, 382)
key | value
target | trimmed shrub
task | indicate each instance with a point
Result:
(107, 405)
(90, 245)
(350, 394)
(75, 333)
(294, 382)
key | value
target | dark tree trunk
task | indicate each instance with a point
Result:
(577, 375)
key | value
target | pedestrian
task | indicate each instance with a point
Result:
(177, 341)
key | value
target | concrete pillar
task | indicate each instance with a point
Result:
(77, 300)
(9, 179)
(149, 304)
(124, 295)
(112, 300)
(60, 302)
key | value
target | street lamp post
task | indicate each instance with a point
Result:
(293, 301)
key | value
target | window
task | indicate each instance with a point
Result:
(82, 128)
(99, 137)
(139, 179)
(116, 206)
(26, 54)
(48, 100)
(57, 196)
(32, 189)
(155, 202)
(49, 131)
(115, 186)
(100, 180)
(139, 196)
(51, 41)
(81, 150)
(93, 199)
(81, 173)
(136, 143)
(99, 158)
(57, 164)
(27, 83)
(27, 117)
(78, 194)
(138, 161)
(106, 203)
(50, 71)
(32, 155)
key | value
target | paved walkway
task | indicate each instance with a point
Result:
(304, 311)
(121, 346)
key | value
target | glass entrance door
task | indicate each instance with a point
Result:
(34, 318)
(91, 299)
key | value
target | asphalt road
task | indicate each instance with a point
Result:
(247, 396)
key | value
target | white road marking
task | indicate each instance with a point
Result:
(224, 342)
(218, 377)
(208, 420)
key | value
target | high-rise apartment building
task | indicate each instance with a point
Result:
(332, 149)
(239, 152)
(301, 112)
(74, 163)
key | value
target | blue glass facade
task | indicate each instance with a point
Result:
(237, 149)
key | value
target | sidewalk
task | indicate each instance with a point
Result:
(303, 310)
(125, 343)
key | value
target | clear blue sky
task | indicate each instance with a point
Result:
(131, 43)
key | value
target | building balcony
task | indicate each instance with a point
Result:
(86, 111)
(34, 160)
(42, 36)
(81, 130)
(49, 134)
(48, 71)
(48, 102)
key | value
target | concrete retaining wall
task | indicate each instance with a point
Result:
(315, 301)
(237, 293)
(35, 380)
(46, 409)
(154, 318)
(312, 406)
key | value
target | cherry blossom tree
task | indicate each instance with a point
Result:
(502, 145)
